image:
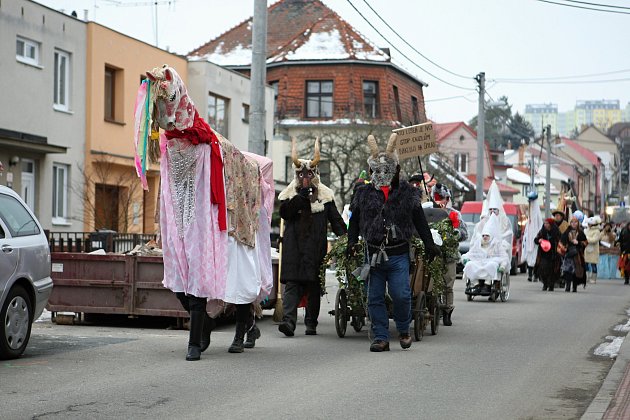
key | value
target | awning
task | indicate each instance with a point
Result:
(27, 142)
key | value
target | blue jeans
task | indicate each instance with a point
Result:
(395, 272)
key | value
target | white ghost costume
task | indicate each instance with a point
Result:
(485, 258)
(534, 224)
(494, 201)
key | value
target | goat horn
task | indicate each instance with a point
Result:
(294, 156)
(391, 144)
(315, 160)
(373, 146)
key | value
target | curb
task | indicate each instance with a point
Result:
(615, 387)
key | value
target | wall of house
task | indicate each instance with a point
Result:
(205, 77)
(28, 104)
(348, 90)
(453, 144)
(110, 142)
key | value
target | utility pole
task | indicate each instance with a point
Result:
(481, 134)
(548, 174)
(256, 141)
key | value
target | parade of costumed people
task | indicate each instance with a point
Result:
(560, 220)
(215, 211)
(573, 242)
(608, 253)
(307, 206)
(489, 255)
(547, 266)
(533, 226)
(442, 198)
(385, 213)
(591, 252)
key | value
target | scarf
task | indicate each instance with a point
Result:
(200, 132)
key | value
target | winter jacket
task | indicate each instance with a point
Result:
(304, 242)
(591, 252)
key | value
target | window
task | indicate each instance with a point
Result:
(397, 104)
(288, 169)
(414, 109)
(218, 113)
(60, 192)
(110, 94)
(275, 86)
(245, 113)
(461, 162)
(62, 79)
(370, 99)
(27, 51)
(319, 99)
(18, 220)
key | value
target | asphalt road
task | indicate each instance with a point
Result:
(529, 358)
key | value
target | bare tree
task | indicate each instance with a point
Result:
(108, 191)
(345, 149)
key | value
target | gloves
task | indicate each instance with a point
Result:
(304, 192)
(433, 251)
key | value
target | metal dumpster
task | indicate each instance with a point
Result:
(116, 284)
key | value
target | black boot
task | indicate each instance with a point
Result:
(208, 326)
(239, 337)
(253, 334)
(447, 317)
(194, 342)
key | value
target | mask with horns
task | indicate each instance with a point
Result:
(383, 164)
(306, 171)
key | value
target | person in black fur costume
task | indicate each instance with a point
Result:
(386, 212)
(307, 206)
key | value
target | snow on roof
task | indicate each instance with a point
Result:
(338, 121)
(519, 177)
(321, 46)
(238, 56)
(436, 163)
(556, 174)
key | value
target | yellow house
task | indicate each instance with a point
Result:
(116, 65)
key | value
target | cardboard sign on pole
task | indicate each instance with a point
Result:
(416, 140)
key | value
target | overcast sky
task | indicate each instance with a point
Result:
(507, 39)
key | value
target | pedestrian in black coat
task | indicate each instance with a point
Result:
(547, 266)
(307, 206)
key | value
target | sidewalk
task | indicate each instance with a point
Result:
(613, 399)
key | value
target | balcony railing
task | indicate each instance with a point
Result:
(109, 241)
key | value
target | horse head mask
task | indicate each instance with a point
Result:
(174, 109)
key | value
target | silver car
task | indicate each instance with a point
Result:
(25, 282)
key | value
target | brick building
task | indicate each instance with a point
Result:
(327, 79)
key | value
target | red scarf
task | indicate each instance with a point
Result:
(201, 132)
(385, 190)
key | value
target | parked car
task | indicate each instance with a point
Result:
(471, 212)
(25, 282)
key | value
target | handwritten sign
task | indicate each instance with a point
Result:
(416, 140)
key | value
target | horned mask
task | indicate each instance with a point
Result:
(383, 164)
(306, 171)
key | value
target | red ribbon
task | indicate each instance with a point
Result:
(200, 132)
(454, 219)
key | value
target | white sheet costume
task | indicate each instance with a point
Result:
(487, 258)
(494, 201)
(534, 224)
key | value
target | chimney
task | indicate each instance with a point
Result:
(85, 15)
(509, 145)
(521, 154)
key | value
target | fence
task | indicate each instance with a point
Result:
(110, 241)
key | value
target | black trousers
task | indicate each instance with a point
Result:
(191, 303)
(293, 292)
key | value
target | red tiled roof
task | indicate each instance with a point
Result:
(488, 181)
(443, 130)
(292, 24)
(588, 154)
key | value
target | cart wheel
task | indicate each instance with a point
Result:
(435, 315)
(341, 312)
(357, 323)
(505, 287)
(418, 317)
(469, 297)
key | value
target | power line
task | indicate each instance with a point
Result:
(561, 77)
(403, 54)
(411, 46)
(450, 98)
(582, 7)
(561, 82)
(598, 4)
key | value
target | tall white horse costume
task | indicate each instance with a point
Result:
(215, 206)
